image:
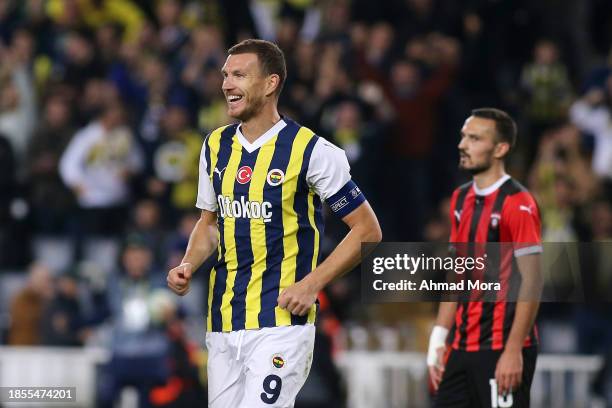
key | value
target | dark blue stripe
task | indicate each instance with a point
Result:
(219, 287)
(305, 234)
(225, 151)
(207, 154)
(274, 229)
(244, 251)
(320, 224)
(223, 157)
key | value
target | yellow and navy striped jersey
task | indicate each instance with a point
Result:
(269, 221)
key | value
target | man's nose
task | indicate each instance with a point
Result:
(227, 84)
(462, 144)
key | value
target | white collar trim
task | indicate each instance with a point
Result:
(491, 189)
(269, 134)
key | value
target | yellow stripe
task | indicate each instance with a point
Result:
(214, 141)
(312, 314)
(258, 235)
(315, 253)
(211, 288)
(290, 220)
(231, 258)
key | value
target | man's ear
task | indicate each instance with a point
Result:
(272, 84)
(501, 150)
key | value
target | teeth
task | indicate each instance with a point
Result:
(233, 98)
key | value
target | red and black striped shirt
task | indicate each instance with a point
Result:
(504, 212)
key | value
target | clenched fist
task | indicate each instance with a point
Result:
(298, 298)
(179, 278)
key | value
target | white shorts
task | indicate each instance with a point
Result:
(258, 368)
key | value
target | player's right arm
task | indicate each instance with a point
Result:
(204, 238)
(202, 243)
(445, 318)
(437, 341)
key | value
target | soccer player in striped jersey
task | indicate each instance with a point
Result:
(260, 189)
(489, 358)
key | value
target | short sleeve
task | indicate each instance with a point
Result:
(207, 200)
(328, 170)
(524, 224)
(330, 178)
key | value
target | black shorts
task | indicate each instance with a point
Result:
(467, 381)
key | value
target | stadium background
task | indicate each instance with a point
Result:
(83, 255)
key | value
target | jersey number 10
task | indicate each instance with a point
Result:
(499, 401)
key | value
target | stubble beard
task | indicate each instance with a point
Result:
(477, 169)
(250, 111)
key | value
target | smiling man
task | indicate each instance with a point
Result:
(260, 190)
(492, 346)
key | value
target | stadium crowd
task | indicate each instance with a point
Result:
(104, 106)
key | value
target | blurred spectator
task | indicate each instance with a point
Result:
(52, 202)
(374, 58)
(139, 306)
(599, 74)
(8, 188)
(335, 22)
(107, 38)
(28, 307)
(562, 182)
(173, 165)
(349, 128)
(98, 164)
(177, 240)
(184, 386)
(601, 220)
(80, 61)
(95, 96)
(238, 20)
(160, 90)
(62, 317)
(547, 92)
(591, 115)
(203, 51)
(415, 98)
(171, 34)
(213, 111)
(146, 222)
(438, 228)
(17, 96)
(8, 20)
(95, 13)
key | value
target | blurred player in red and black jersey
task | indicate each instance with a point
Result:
(483, 353)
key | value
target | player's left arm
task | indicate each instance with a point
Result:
(331, 180)
(364, 227)
(525, 226)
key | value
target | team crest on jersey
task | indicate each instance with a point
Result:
(244, 174)
(495, 217)
(275, 177)
(278, 361)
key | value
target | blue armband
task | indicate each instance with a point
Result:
(346, 199)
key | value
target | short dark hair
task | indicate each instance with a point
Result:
(270, 56)
(505, 126)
